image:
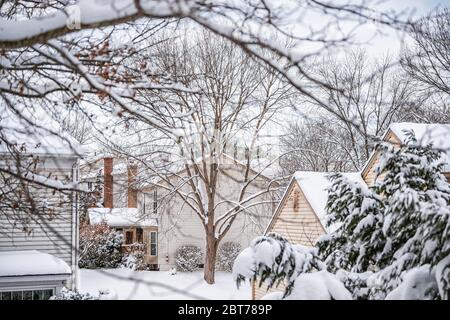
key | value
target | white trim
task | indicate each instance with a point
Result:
(55, 290)
(375, 150)
(8, 154)
(36, 278)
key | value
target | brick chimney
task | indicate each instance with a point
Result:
(132, 192)
(108, 182)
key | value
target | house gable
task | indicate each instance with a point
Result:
(368, 173)
(295, 219)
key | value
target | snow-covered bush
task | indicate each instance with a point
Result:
(318, 285)
(66, 294)
(100, 246)
(188, 258)
(273, 260)
(417, 284)
(226, 255)
(133, 257)
(394, 228)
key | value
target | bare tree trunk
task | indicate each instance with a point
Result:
(210, 256)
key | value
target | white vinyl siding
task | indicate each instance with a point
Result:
(50, 234)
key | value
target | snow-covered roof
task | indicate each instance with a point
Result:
(438, 134)
(314, 186)
(435, 133)
(31, 263)
(37, 136)
(120, 217)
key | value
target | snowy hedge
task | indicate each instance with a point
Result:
(100, 247)
(188, 258)
(226, 255)
(66, 294)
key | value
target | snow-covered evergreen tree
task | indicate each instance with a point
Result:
(416, 214)
(400, 224)
(357, 212)
(392, 240)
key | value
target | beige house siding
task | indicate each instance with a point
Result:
(447, 175)
(368, 173)
(296, 221)
(299, 225)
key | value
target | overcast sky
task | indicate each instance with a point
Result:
(390, 40)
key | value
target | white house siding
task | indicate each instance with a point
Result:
(56, 235)
(120, 190)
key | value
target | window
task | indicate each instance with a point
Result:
(139, 235)
(27, 295)
(128, 237)
(143, 203)
(296, 200)
(155, 202)
(90, 185)
(39, 294)
(153, 243)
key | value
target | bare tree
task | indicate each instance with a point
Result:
(312, 145)
(235, 99)
(95, 53)
(78, 125)
(365, 99)
(89, 52)
(427, 61)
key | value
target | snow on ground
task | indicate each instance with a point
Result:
(156, 285)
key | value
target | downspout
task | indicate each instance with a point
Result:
(75, 228)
